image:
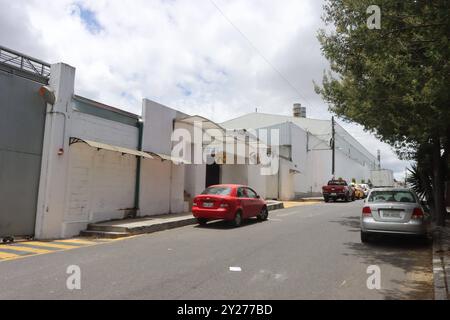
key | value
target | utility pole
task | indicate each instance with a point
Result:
(333, 148)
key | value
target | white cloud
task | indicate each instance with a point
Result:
(182, 54)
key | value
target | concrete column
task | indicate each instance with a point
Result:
(54, 171)
(195, 179)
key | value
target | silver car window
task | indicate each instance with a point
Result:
(392, 196)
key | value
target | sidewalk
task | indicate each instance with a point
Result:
(130, 227)
(441, 262)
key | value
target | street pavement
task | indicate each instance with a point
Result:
(304, 252)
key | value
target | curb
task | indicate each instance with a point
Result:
(112, 232)
(441, 268)
(275, 206)
(312, 200)
(163, 226)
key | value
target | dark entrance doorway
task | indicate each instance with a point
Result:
(212, 174)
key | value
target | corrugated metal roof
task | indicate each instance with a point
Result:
(261, 120)
(319, 128)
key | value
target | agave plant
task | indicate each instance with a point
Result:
(420, 181)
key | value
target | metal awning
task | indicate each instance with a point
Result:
(206, 123)
(100, 145)
(165, 157)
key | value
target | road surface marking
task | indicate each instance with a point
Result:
(80, 241)
(32, 248)
(6, 255)
(235, 269)
(26, 249)
(51, 245)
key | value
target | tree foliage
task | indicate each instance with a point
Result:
(393, 81)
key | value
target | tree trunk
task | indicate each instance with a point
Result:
(438, 183)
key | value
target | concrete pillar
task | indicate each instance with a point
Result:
(195, 179)
(157, 137)
(55, 155)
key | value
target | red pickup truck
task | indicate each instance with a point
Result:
(338, 189)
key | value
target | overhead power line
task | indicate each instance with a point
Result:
(280, 74)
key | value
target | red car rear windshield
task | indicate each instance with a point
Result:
(337, 183)
(220, 191)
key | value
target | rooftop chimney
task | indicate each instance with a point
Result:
(299, 111)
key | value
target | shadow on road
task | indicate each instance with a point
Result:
(226, 225)
(353, 223)
(411, 254)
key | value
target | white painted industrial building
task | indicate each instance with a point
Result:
(306, 155)
(100, 163)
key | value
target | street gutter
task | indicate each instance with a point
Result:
(441, 262)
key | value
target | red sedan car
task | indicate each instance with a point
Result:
(229, 202)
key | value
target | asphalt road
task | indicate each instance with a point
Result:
(307, 252)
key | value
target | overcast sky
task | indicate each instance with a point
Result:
(216, 58)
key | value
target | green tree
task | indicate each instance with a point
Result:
(393, 81)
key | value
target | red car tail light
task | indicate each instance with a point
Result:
(417, 213)
(224, 205)
(366, 212)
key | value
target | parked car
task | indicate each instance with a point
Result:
(229, 202)
(393, 211)
(359, 191)
(338, 189)
(366, 189)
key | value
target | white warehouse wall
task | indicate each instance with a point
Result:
(234, 174)
(89, 127)
(162, 182)
(195, 179)
(101, 183)
(101, 187)
(299, 139)
(256, 180)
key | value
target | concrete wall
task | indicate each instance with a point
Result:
(101, 187)
(85, 185)
(155, 187)
(272, 186)
(158, 127)
(162, 182)
(286, 182)
(52, 199)
(234, 174)
(90, 127)
(195, 178)
(256, 180)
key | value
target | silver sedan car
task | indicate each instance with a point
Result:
(393, 211)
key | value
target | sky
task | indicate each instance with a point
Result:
(216, 58)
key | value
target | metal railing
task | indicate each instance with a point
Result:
(24, 62)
